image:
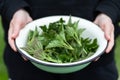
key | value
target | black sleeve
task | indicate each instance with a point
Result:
(110, 8)
(1, 5)
(11, 6)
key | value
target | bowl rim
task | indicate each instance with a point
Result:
(29, 57)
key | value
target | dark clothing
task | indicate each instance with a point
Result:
(1, 5)
(88, 9)
(83, 8)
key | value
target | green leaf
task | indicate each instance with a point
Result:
(32, 35)
(55, 43)
(44, 28)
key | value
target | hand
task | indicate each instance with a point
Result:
(107, 26)
(19, 20)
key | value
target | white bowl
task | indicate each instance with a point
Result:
(92, 31)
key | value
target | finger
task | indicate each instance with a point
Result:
(109, 34)
(110, 43)
(97, 59)
(16, 31)
(25, 59)
(11, 43)
(10, 38)
(108, 29)
(95, 21)
(30, 19)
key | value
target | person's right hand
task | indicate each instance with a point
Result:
(106, 24)
(19, 20)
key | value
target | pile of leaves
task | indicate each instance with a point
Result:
(60, 42)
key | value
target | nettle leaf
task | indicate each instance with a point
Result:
(80, 31)
(55, 43)
(90, 44)
(75, 25)
(59, 43)
(32, 35)
(44, 28)
(70, 22)
(70, 31)
(61, 35)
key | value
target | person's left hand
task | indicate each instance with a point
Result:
(18, 21)
(105, 23)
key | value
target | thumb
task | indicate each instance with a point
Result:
(95, 21)
(16, 31)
